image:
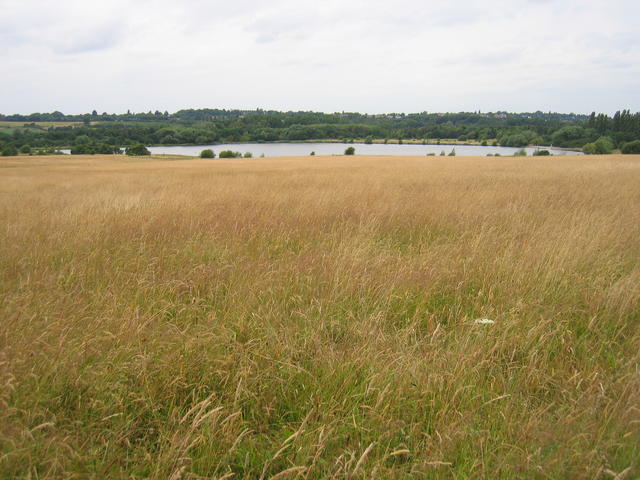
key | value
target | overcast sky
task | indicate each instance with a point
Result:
(324, 55)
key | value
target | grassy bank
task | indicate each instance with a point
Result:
(314, 317)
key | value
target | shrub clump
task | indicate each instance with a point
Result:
(631, 147)
(229, 154)
(9, 151)
(207, 153)
(99, 149)
(602, 146)
(137, 150)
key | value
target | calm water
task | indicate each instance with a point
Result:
(301, 149)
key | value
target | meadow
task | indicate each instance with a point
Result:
(9, 127)
(316, 317)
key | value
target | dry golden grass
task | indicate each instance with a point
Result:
(314, 318)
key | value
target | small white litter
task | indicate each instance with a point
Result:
(483, 321)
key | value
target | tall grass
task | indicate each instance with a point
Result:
(314, 318)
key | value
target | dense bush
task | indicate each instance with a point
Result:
(137, 150)
(572, 136)
(631, 147)
(9, 151)
(350, 151)
(519, 139)
(229, 154)
(207, 153)
(602, 146)
(541, 153)
(92, 149)
(81, 150)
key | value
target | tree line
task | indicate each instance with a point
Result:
(109, 133)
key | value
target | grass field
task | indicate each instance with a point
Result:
(314, 318)
(10, 127)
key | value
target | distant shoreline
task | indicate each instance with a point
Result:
(443, 142)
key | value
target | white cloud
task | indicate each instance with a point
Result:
(370, 56)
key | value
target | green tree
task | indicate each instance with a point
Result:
(570, 136)
(106, 149)
(350, 151)
(631, 147)
(207, 153)
(9, 151)
(229, 154)
(520, 139)
(541, 153)
(602, 146)
(80, 150)
(137, 150)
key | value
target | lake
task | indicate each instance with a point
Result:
(302, 149)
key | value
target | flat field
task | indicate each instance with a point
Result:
(316, 318)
